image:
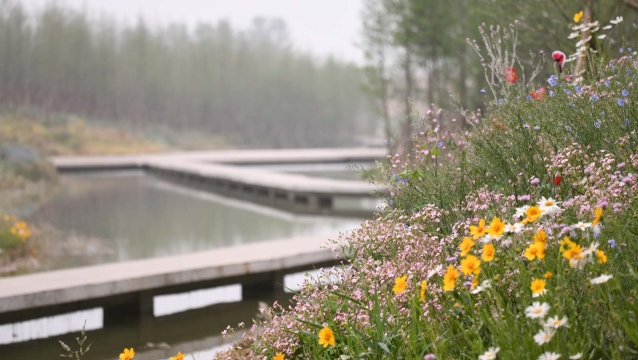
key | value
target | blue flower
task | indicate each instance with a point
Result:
(625, 93)
(528, 97)
(629, 49)
(387, 141)
(612, 243)
(552, 82)
(568, 128)
(551, 93)
(500, 101)
(529, 116)
(602, 113)
(622, 50)
(593, 98)
(526, 126)
(483, 91)
(440, 144)
(607, 83)
(626, 122)
(567, 92)
(537, 127)
(597, 124)
(621, 102)
(578, 89)
(572, 104)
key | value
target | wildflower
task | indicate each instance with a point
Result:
(573, 35)
(621, 102)
(626, 122)
(466, 246)
(594, 98)
(557, 180)
(538, 288)
(551, 93)
(470, 265)
(537, 310)
(483, 91)
(510, 75)
(625, 93)
(520, 212)
(488, 252)
(597, 124)
(578, 16)
(490, 354)
(474, 283)
(478, 231)
(533, 213)
(555, 322)
(424, 286)
(582, 226)
(538, 94)
(326, 337)
(578, 89)
(548, 206)
(600, 280)
(540, 237)
(544, 336)
(450, 278)
(180, 356)
(434, 271)
(128, 354)
(486, 284)
(612, 243)
(616, 21)
(602, 258)
(429, 357)
(496, 228)
(548, 275)
(607, 83)
(513, 228)
(549, 356)
(598, 215)
(576, 356)
(602, 36)
(535, 181)
(400, 284)
(535, 250)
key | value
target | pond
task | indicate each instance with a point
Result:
(112, 217)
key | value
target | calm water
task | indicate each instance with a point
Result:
(124, 216)
(111, 217)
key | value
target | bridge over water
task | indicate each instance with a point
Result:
(131, 286)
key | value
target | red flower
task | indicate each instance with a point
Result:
(539, 94)
(557, 180)
(559, 57)
(510, 75)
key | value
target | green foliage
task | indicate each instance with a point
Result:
(81, 351)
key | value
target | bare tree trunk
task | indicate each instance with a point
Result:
(580, 63)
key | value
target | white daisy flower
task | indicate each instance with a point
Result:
(555, 322)
(573, 35)
(513, 228)
(581, 225)
(602, 36)
(542, 292)
(576, 356)
(549, 356)
(617, 20)
(486, 284)
(548, 206)
(521, 212)
(435, 271)
(579, 27)
(601, 279)
(544, 336)
(606, 28)
(591, 249)
(490, 354)
(537, 310)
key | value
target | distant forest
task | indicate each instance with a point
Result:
(251, 87)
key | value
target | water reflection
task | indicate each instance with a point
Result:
(131, 215)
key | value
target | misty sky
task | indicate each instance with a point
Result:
(319, 26)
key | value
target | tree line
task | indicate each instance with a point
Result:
(417, 51)
(251, 87)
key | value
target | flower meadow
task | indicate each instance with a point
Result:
(517, 239)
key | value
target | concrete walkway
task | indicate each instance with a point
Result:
(236, 157)
(94, 282)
